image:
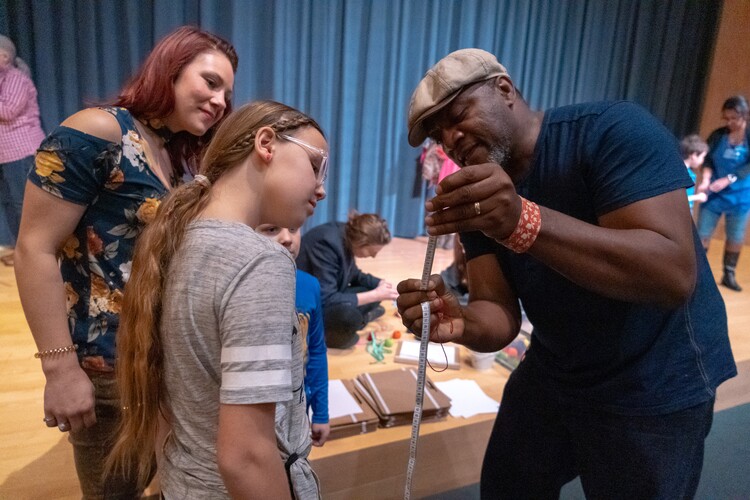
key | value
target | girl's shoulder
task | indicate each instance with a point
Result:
(107, 123)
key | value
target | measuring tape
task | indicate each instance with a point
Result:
(422, 367)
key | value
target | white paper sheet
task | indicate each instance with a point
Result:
(410, 349)
(467, 398)
(340, 401)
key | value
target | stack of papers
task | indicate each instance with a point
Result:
(391, 395)
(349, 414)
(439, 355)
(340, 401)
(467, 398)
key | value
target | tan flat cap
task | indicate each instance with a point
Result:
(442, 83)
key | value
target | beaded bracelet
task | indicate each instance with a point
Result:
(527, 229)
(56, 350)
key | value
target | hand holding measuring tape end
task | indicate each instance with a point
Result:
(446, 319)
(476, 198)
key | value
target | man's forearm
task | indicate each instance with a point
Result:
(488, 327)
(637, 265)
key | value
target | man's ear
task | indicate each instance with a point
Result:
(504, 84)
(265, 141)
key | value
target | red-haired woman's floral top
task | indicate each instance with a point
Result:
(121, 195)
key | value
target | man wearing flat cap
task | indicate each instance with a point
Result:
(578, 214)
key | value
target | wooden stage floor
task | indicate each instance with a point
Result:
(36, 462)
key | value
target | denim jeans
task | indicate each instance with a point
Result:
(12, 183)
(91, 446)
(539, 443)
(735, 224)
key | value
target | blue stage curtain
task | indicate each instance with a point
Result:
(352, 64)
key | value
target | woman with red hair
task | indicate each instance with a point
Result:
(98, 181)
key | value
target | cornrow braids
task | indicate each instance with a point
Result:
(237, 141)
(247, 142)
(291, 123)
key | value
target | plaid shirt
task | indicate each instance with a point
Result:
(20, 129)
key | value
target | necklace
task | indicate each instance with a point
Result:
(157, 127)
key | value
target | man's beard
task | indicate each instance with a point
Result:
(500, 154)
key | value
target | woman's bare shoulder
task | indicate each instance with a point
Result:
(96, 122)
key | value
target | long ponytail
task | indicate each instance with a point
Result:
(139, 345)
(140, 356)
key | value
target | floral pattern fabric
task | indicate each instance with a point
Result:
(122, 194)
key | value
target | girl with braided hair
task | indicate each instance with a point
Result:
(209, 335)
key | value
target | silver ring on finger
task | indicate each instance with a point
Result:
(477, 208)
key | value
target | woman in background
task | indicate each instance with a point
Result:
(20, 135)
(209, 334)
(97, 182)
(726, 180)
(351, 298)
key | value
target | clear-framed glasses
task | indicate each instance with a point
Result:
(321, 168)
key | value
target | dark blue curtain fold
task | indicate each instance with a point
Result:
(352, 65)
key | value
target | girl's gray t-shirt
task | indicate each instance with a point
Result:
(229, 334)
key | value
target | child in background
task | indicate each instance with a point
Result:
(208, 333)
(310, 314)
(436, 166)
(693, 150)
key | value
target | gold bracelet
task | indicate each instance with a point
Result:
(56, 350)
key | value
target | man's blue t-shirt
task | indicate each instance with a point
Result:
(637, 359)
